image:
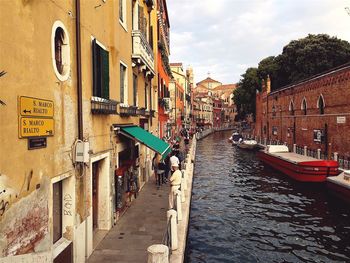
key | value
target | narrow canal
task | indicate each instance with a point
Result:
(243, 212)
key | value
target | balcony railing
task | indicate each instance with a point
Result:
(142, 51)
(126, 111)
(103, 106)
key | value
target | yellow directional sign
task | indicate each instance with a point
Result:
(34, 127)
(35, 107)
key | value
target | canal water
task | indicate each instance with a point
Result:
(244, 212)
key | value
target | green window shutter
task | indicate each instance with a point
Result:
(105, 74)
(94, 68)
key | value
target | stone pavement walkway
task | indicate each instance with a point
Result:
(142, 225)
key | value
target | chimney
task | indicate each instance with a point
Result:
(268, 84)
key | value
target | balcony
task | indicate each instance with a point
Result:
(103, 106)
(127, 111)
(142, 53)
(165, 103)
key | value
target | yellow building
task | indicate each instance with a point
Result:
(77, 84)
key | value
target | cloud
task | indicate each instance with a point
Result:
(225, 37)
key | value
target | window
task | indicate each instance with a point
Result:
(57, 211)
(273, 110)
(121, 10)
(100, 71)
(60, 51)
(59, 36)
(135, 89)
(146, 88)
(304, 107)
(320, 104)
(291, 108)
(123, 84)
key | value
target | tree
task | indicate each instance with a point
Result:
(244, 94)
(306, 57)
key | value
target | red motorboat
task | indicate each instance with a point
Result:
(299, 167)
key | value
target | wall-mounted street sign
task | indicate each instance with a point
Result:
(34, 107)
(35, 127)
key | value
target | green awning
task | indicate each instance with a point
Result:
(147, 139)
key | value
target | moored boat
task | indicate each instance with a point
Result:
(235, 137)
(248, 144)
(299, 167)
(340, 185)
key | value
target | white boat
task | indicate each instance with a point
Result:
(248, 144)
(235, 137)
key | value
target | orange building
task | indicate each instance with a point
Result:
(164, 71)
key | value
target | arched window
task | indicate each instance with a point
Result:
(320, 104)
(291, 107)
(304, 106)
(60, 51)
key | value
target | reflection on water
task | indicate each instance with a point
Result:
(243, 212)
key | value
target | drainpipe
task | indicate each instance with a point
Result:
(79, 81)
(80, 112)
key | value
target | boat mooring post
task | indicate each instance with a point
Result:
(335, 156)
(158, 253)
(172, 214)
(318, 153)
(305, 150)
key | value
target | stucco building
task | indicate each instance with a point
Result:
(82, 91)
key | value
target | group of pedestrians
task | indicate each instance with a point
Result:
(168, 170)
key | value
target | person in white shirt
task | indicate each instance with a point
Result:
(175, 182)
(174, 161)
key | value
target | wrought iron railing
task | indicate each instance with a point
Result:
(167, 236)
(126, 111)
(103, 106)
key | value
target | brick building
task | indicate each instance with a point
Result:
(314, 112)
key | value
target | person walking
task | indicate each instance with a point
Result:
(155, 166)
(175, 182)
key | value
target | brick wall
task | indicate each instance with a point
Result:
(274, 111)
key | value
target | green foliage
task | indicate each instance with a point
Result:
(244, 95)
(300, 59)
(304, 58)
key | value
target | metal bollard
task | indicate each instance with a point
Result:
(178, 204)
(172, 214)
(294, 148)
(305, 150)
(158, 254)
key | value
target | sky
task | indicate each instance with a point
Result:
(222, 38)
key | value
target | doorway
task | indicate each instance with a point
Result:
(95, 176)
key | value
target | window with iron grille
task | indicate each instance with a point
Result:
(100, 71)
